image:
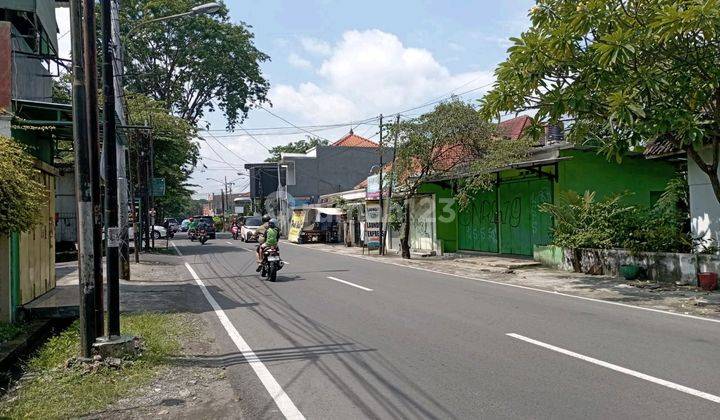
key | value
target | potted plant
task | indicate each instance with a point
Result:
(630, 271)
(707, 280)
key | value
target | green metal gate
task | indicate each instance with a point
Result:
(522, 225)
(477, 223)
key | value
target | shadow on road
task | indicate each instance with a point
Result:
(374, 385)
(271, 355)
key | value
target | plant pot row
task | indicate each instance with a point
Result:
(706, 281)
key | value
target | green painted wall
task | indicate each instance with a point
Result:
(588, 171)
(38, 145)
(445, 215)
(521, 224)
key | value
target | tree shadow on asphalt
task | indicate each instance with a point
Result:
(186, 297)
(371, 376)
(269, 355)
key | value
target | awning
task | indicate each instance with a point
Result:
(331, 211)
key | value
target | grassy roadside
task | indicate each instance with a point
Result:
(51, 390)
(10, 331)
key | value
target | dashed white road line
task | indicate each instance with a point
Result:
(228, 242)
(350, 284)
(282, 400)
(653, 379)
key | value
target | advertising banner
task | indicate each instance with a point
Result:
(296, 224)
(373, 187)
(372, 225)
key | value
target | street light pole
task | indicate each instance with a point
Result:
(112, 236)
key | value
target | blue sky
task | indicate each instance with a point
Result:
(336, 62)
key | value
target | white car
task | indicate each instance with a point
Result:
(158, 232)
(247, 230)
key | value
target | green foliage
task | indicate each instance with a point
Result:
(10, 331)
(22, 196)
(55, 391)
(451, 141)
(300, 146)
(175, 153)
(627, 72)
(194, 64)
(583, 222)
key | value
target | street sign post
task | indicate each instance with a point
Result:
(158, 187)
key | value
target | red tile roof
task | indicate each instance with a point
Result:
(515, 127)
(353, 140)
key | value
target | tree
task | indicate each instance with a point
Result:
(175, 153)
(21, 194)
(450, 142)
(300, 146)
(192, 65)
(627, 72)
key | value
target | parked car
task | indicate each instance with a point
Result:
(159, 232)
(209, 223)
(184, 225)
(247, 230)
(172, 223)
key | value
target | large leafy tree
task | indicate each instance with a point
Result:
(192, 65)
(450, 142)
(175, 153)
(627, 72)
(300, 146)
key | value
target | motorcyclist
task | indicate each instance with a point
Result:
(265, 238)
(192, 226)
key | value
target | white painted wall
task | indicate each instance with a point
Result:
(704, 207)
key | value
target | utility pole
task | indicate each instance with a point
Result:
(382, 210)
(134, 211)
(83, 187)
(226, 201)
(222, 202)
(122, 150)
(279, 201)
(145, 192)
(151, 189)
(110, 147)
(90, 60)
(392, 168)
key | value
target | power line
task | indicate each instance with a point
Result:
(283, 119)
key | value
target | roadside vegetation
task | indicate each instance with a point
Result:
(52, 387)
(10, 331)
(583, 221)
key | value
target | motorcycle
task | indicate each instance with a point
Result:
(235, 232)
(202, 235)
(271, 263)
(192, 234)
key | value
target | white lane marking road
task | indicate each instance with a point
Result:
(517, 286)
(228, 242)
(663, 382)
(350, 284)
(282, 400)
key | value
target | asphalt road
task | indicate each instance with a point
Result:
(343, 337)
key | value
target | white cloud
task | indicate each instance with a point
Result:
(369, 72)
(316, 46)
(299, 62)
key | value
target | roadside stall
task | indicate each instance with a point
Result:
(316, 224)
